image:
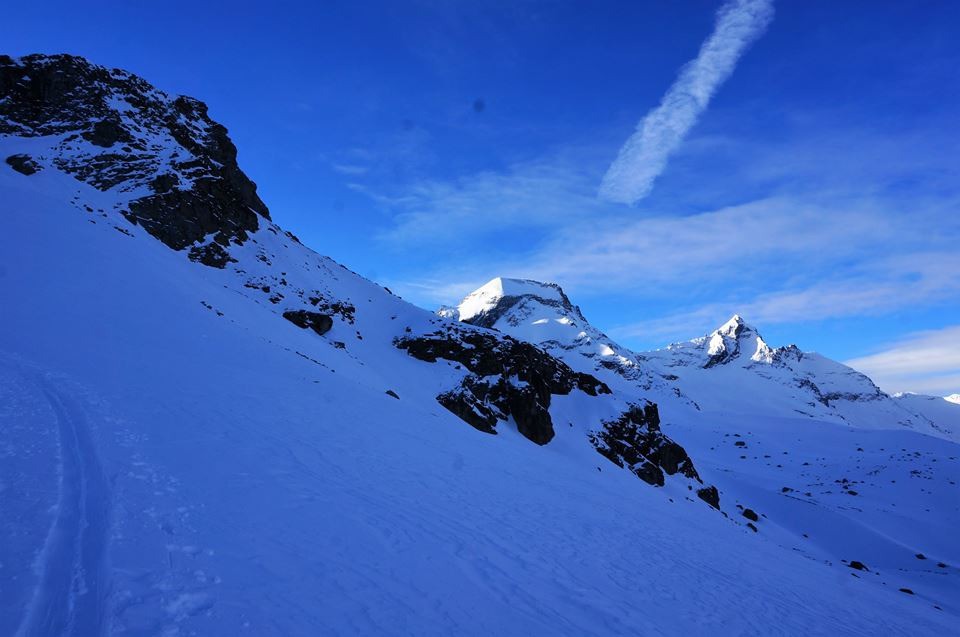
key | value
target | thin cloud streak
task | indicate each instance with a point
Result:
(923, 362)
(644, 156)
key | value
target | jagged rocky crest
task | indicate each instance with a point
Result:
(176, 167)
(506, 378)
(634, 441)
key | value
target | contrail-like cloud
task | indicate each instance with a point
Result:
(641, 160)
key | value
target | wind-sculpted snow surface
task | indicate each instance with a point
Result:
(267, 476)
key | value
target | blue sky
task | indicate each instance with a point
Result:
(432, 146)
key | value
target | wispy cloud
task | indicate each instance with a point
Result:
(644, 156)
(546, 192)
(884, 285)
(350, 169)
(924, 362)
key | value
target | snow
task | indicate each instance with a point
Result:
(835, 467)
(178, 459)
(485, 297)
(953, 398)
(942, 412)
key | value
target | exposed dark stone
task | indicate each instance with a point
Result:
(860, 566)
(345, 310)
(23, 164)
(319, 323)
(751, 526)
(710, 495)
(469, 403)
(211, 254)
(489, 318)
(488, 395)
(164, 183)
(198, 189)
(634, 441)
(750, 514)
(107, 132)
(921, 556)
(390, 392)
(907, 591)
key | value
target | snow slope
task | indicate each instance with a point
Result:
(178, 458)
(832, 466)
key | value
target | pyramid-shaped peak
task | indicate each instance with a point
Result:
(734, 327)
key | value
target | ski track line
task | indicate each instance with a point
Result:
(71, 596)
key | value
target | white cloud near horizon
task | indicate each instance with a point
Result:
(644, 156)
(923, 362)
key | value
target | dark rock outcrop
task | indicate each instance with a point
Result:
(115, 131)
(710, 495)
(507, 378)
(634, 441)
(751, 515)
(23, 164)
(319, 323)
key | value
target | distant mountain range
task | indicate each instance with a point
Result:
(732, 369)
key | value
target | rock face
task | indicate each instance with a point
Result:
(506, 378)
(319, 323)
(543, 314)
(634, 441)
(23, 164)
(114, 131)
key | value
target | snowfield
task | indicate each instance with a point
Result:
(177, 458)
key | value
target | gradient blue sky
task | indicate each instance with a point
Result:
(432, 146)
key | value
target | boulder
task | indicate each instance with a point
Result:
(319, 323)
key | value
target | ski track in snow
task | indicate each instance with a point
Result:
(71, 596)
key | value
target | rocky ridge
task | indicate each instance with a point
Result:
(174, 167)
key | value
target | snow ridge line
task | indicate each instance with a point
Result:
(71, 596)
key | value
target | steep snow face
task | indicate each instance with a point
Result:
(484, 305)
(953, 398)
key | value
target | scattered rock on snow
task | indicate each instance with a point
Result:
(319, 323)
(23, 164)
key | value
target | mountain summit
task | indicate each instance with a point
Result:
(731, 368)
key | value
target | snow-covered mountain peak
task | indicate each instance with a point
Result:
(485, 305)
(735, 340)
(953, 398)
(541, 313)
(733, 326)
